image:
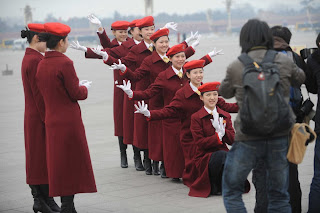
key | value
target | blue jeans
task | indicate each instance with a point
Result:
(242, 158)
(314, 196)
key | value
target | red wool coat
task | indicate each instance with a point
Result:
(183, 105)
(166, 85)
(34, 128)
(68, 158)
(138, 128)
(105, 41)
(149, 70)
(207, 141)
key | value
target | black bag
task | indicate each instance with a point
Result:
(264, 111)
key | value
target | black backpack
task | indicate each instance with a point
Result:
(264, 111)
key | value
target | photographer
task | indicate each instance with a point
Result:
(312, 83)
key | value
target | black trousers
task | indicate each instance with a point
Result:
(216, 164)
(259, 179)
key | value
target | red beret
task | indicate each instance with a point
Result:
(194, 64)
(39, 28)
(57, 28)
(159, 33)
(176, 49)
(133, 23)
(145, 22)
(120, 25)
(210, 86)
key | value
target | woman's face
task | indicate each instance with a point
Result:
(120, 35)
(146, 32)
(178, 60)
(136, 34)
(210, 99)
(195, 76)
(162, 45)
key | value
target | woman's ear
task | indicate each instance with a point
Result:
(188, 74)
(114, 32)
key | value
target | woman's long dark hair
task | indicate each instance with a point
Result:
(52, 40)
(255, 33)
(28, 34)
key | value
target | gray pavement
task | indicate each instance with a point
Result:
(119, 190)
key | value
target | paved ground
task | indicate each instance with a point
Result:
(119, 190)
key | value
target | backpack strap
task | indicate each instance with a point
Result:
(269, 56)
(245, 59)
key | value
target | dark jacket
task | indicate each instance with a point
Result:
(313, 82)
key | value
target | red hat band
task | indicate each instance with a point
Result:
(210, 86)
(159, 33)
(194, 64)
(176, 49)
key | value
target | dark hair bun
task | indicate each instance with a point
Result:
(24, 33)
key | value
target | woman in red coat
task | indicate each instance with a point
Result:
(34, 127)
(149, 70)
(166, 85)
(122, 106)
(186, 102)
(68, 158)
(211, 129)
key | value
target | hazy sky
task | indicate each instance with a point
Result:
(106, 8)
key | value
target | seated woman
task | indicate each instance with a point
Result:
(211, 129)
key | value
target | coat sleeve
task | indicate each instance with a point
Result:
(104, 39)
(297, 75)
(311, 76)
(202, 141)
(228, 107)
(173, 110)
(226, 88)
(189, 51)
(129, 60)
(153, 89)
(31, 75)
(207, 59)
(229, 135)
(139, 73)
(71, 83)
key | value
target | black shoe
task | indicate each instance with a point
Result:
(67, 205)
(124, 160)
(44, 188)
(147, 163)
(163, 171)
(155, 167)
(176, 179)
(216, 189)
(137, 159)
(40, 204)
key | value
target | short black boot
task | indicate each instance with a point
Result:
(155, 166)
(137, 159)
(67, 204)
(40, 204)
(123, 153)
(163, 170)
(49, 200)
(147, 163)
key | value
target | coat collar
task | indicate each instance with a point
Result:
(203, 112)
(188, 92)
(156, 57)
(129, 43)
(50, 54)
(142, 47)
(30, 51)
(114, 42)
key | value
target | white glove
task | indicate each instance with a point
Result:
(85, 83)
(75, 45)
(196, 43)
(82, 82)
(192, 38)
(119, 66)
(222, 128)
(126, 87)
(171, 25)
(215, 53)
(215, 124)
(142, 108)
(98, 50)
(94, 20)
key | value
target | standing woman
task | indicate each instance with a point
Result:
(68, 159)
(34, 127)
(186, 102)
(148, 71)
(166, 84)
